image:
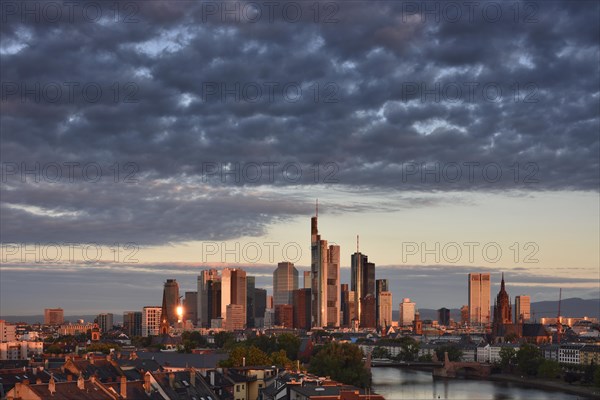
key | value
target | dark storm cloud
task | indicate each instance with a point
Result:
(373, 125)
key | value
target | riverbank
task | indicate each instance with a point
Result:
(587, 391)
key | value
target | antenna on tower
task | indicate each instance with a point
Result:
(317, 214)
(357, 243)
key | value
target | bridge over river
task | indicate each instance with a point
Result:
(445, 369)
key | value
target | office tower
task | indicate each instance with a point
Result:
(302, 312)
(479, 299)
(250, 307)
(325, 274)
(362, 279)
(132, 323)
(151, 320)
(213, 298)
(464, 315)
(190, 307)
(171, 300)
(54, 316)
(344, 299)
(269, 302)
(444, 316)
(284, 315)
(105, 322)
(260, 299)
(285, 281)
(368, 308)
(307, 280)
(206, 282)
(407, 312)
(233, 290)
(381, 285)
(384, 310)
(522, 309)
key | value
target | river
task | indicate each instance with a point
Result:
(395, 383)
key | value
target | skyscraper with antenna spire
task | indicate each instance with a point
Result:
(325, 278)
(362, 281)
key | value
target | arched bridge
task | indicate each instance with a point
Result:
(451, 369)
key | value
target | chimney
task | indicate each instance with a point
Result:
(192, 377)
(171, 380)
(124, 387)
(52, 385)
(147, 384)
(69, 377)
(80, 382)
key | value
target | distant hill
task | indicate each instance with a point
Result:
(573, 307)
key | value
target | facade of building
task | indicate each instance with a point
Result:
(464, 315)
(407, 312)
(235, 317)
(132, 323)
(285, 281)
(302, 312)
(151, 320)
(479, 299)
(362, 280)
(20, 350)
(76, 329)
(502, 324)
(368, 308)
(590, 353)
(381, 285)
(105, 322)
(570, 353)
(250, 301)
(325, 273)
(284, 315)
(522, 309)
(306, 284)
(54, 316)
(233, 291)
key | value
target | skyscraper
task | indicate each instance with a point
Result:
(444, 316)
(285, 281)
(233, 291)
(381, 285)
(105, 322)
(170, 303)
(368, 308)
(384, 310)
(250, 307)
(479, 299)
(206, 281)
(407, 312)
(190, 307)
(522, 309)
(302, 313)
(307, 283)
(362, 281)
(325, 273)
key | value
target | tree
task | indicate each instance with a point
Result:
(54, 349)
(528, 359)
(242, 355)
(280, 359)
(507, 357)
(549, 369)
(290, 343)
(409, 349)
(342, 362)
(454, 353)
(224, 339)
(597, 376)
(380, 352)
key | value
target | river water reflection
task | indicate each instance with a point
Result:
(395, 384)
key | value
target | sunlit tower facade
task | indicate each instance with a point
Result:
(479, 299)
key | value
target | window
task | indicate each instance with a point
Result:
(237, 388)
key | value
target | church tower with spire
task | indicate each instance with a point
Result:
(502, 312)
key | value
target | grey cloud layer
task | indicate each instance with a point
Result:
(373, 132)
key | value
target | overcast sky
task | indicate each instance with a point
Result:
(149, 140)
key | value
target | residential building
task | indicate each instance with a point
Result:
(151, 320)
(54, 316)
(8, 332)
(570, 353)
(590, 353)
